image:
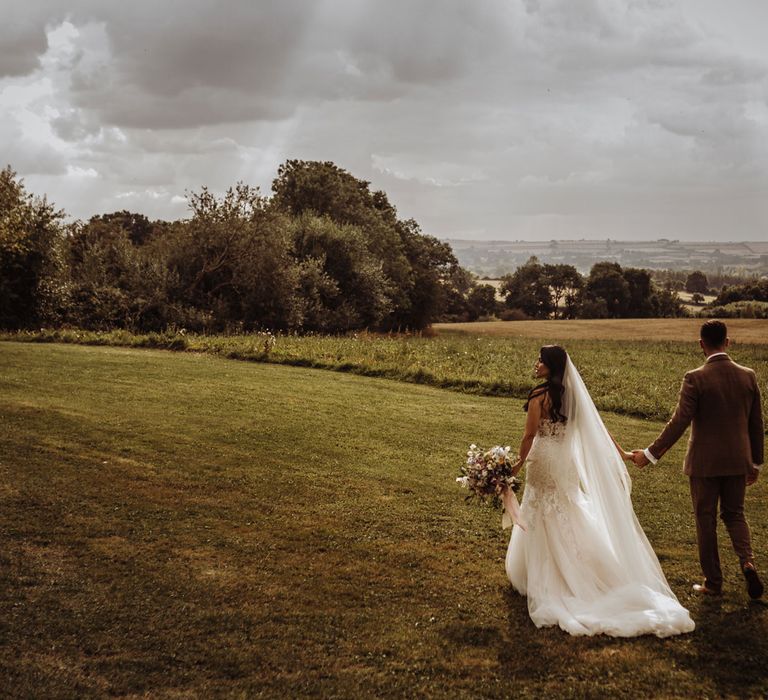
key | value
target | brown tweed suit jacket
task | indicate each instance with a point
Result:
(721, 402)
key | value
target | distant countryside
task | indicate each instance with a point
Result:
(496, 258)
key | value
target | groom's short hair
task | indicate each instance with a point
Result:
(713, 333)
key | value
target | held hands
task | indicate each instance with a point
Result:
(639, 458)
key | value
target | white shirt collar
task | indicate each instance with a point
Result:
(715, 354)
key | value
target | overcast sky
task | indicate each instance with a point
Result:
(487, 119)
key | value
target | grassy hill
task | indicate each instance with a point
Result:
(178, 524)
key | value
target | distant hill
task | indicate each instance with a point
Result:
(496, 258)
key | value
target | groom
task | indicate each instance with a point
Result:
(725, 452)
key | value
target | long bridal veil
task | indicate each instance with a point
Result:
(606, 483)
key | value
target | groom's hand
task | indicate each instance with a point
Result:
(639, 458)
(752, 477)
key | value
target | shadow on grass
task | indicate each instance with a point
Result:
(473, 635)
(557, 654)
(726, 652)
(722, 634)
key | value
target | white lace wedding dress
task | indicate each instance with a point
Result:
(583, 561)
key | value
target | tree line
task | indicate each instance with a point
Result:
(323, 253)
(541, 291)
(698, 282)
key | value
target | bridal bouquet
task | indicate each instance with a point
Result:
(488, 473)
(488, 476)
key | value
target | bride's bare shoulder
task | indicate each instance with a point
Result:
(541, 402)
(544, 400)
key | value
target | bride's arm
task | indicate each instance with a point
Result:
(623, 453)
(531, 427)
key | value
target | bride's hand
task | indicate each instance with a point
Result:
(627, 456)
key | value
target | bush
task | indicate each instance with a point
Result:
(756, 290)
(737, 309)
(33, 288)
(514, 315)
(594, 308)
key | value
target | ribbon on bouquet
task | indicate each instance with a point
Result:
(511, 512)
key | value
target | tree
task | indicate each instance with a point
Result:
(33, 286)
(418, 268)
(233, 262)
(481, 301)
(565, 284)
(639, 304)
(527, 289)
(325, 189)
(697, 282)
(431, 278)
(121, 279)
(607, 283)
(594, 308)
(457, 287)
(756, 290)
(342, 282)
(697, 298)
(666, 304)
(101, 259)
(137, 226)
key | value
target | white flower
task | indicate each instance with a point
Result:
(473, 446)
(463, 480)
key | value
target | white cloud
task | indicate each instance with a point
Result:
(146, 194)
(76, 171)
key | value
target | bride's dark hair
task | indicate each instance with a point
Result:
(554, 357)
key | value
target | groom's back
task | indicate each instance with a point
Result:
(726, 430)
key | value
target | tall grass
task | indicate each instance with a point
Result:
(637, 378)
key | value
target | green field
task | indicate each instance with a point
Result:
(182, 525)
(638, 377)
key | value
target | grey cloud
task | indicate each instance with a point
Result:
(494, 118)
(22, 42)
(232, 62)
(194, 107)
(734, 71)
(229, 45)
(70, 125)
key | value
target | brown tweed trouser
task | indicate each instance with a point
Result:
(706, 491)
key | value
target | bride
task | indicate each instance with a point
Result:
(583, 560)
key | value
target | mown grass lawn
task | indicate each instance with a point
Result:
(182, 525)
